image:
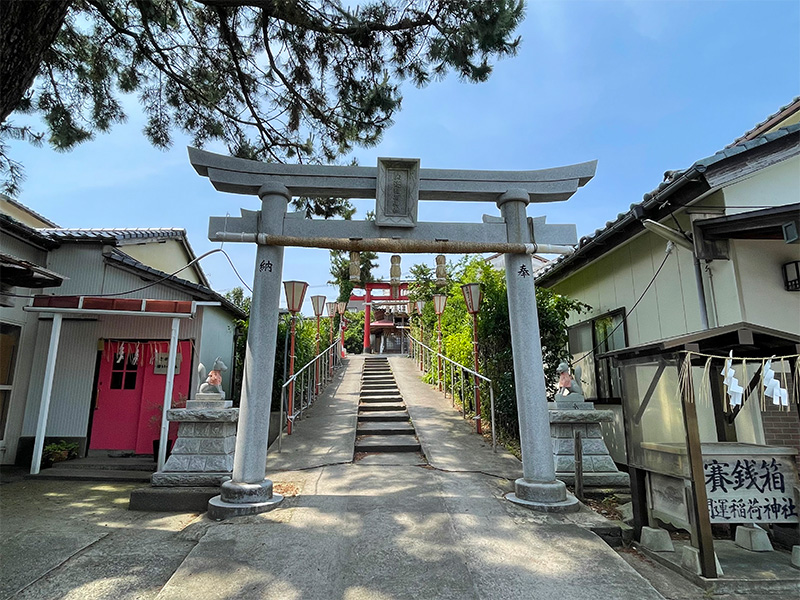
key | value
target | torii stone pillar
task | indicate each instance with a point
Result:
(250, 492)
(538, 488)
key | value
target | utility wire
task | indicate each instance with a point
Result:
(670, 248)
(157, 281)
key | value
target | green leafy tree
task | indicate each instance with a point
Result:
(494, 331)
(354, 334)
(273, 79)
(237, 297)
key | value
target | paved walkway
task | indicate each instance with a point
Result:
(390, 532)
(345, 531)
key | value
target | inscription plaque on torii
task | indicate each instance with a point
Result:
(397, 185)
(397, 192)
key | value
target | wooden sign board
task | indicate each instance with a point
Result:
(162, 360)
(757, 488)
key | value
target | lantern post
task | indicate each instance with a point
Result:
(295, 292)
(318, 302)
(472, 297)
(331, 308)
(439, 302)
(420, 307)
(342, 306)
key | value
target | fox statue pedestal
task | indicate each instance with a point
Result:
(570, 413)
(203, 453)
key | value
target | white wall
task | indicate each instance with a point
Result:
(618, 279)
(774, 186)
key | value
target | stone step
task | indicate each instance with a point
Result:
(93, 475)
(392, 459)
(381, 406)
(378, 380)
(383, 416)
(98, 463)
(371, 399)
(385, 428)
(383, 392)
(387, 443)
(379, 385)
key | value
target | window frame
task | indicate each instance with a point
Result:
(604, 363)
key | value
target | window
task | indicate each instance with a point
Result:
(9, 348)
(123, 372)
(600, 380)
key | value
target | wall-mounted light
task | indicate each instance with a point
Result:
(791, 276)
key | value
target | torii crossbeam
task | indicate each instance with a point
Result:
(397, 185)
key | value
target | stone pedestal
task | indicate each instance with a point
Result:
(599, 470)
(203, 453)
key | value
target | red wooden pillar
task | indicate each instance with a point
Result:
(367, 319)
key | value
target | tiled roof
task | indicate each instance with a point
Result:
(28, 210)
(111, 235)
(11, 225)
(770, 121)
(192, 288)
(672, 180)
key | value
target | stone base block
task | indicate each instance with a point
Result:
(165, 479)
(571, 504)
(544, 496)
(219, 510)
(656, 539)
(752, 537)
(690, 560)
(208, 404)
(796, 557)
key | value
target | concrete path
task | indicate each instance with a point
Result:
(357, 531)
(346, 530)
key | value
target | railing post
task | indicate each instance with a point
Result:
(578, 466)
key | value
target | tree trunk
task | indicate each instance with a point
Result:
(27, 32)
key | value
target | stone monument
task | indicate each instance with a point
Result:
(570, 413)
(203, 453)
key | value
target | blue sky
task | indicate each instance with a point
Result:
(642, 86)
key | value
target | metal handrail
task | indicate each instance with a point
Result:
(432, 355)
(308, 384)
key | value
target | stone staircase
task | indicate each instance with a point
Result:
(384, 426)
(99, 466)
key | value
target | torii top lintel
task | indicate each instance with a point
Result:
(242, 176)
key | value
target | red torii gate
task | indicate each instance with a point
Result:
(401, 298)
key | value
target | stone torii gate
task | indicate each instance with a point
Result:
(397, 185)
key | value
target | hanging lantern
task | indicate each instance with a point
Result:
(355, 266)
(295, 292)
(318, 302)
(439, 302)
(472, 296)
(441, 270)
(331, 308)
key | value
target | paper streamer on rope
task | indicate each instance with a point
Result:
(772, 386)
(732, 387)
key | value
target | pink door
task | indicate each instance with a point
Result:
(130, 394)
(119, 397)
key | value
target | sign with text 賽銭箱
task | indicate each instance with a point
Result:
(758, 489)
